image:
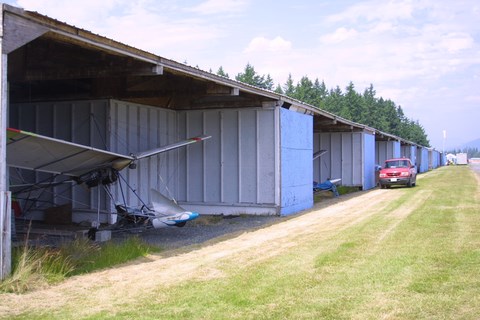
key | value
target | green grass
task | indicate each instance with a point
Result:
(342, 190)
(34, 268)
(422, 266)
(426, 268)
(88, 256)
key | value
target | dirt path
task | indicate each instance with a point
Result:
(106, 289)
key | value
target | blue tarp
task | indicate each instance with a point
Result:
(325, 186)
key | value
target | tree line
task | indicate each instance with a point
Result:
(365, 108)
(472, 152)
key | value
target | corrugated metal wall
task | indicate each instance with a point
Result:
(410, 152)
(422, 159)
(344, 158)
(238, 166)
(77, 121)
(386, 150)
(434, 160)
(296, 161)
(135, 128)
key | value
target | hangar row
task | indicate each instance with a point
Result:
(68, 83)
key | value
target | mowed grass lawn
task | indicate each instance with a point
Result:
(427, 267)
(418, 258)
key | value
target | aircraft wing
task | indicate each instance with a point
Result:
(32, 151)
(319, 154)
(175, 145)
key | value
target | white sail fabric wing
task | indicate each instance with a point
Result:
(40, 153)
(164, 206)
(32, 151)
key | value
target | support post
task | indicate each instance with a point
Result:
(5, 211)
(5, 235)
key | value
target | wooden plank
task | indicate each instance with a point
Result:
(5, 196)
(5, 235)
(18, 32)
(74, 234)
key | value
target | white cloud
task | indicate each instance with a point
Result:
(397, 40)
(473, 98)
(160, 27)
(262, 44)
(174, 39)
(374, 10)
(454, 42)
(220, 6)
(83, 13)
(340, 35)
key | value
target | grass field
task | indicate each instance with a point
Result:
(417, 257)
(426, 267)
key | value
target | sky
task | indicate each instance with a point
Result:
(423, 55)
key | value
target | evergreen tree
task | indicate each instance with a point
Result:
(289, 88)
(222, 73)
(335, 103)
(304, 91)
(355, 104)
(366, 108)
(279, 89)
(374, 116)
(250, 76)
(267, 83)
(320, 94)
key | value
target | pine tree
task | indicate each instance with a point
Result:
(250, 76)
(221, 72)
(279, 89)
(289, 88)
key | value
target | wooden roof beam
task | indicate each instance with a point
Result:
(215, 89)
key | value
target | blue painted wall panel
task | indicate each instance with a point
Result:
(396, 149)
(296, 161)
(425, 164)
(434, 159)
(422, 159)
(368, 161)
(413, 154)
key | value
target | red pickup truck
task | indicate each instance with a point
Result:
(398, 171)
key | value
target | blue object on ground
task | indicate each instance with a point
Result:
(325, 186)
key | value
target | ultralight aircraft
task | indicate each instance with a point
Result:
(95, 167)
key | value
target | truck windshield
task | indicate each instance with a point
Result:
(397, 164)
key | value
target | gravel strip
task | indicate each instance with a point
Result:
(201, 230)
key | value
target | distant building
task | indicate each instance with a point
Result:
(474, 160)
(462, 158)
